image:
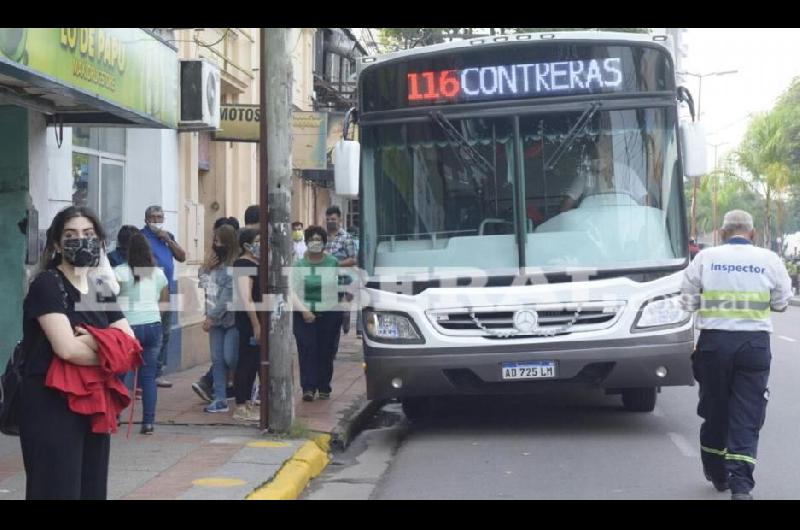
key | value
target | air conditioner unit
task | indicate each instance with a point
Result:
(200, 95)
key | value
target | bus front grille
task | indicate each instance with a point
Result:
(499, 322)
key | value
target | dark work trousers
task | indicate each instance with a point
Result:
(732, 368)
(315, 348)
(63, 458)
(247, 366)
(166, 329)
(339, 316)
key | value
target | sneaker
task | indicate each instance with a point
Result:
(201, 389)
(138, 393)
(247, 412)
(308, 395)
(240, 413)
(163, 383)
(147, 428)
(741, 497)
(324, 395)
(253, 412)
(217, 406)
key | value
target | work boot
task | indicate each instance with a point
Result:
(719, 485)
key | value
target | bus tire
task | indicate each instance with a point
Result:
(417, 409)
(639, 399)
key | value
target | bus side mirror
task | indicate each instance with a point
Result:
(346, 155)
(693, 147)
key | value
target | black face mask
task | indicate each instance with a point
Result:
(82, 252)
(333, 228)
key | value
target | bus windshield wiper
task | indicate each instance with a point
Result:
(578, 128)
(465, 150)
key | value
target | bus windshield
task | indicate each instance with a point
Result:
(610, 200)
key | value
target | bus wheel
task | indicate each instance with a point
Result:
(639, 399)
(418, 409)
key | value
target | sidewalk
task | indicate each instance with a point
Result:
(196, 455)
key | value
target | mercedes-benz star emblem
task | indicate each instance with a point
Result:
(526, 321)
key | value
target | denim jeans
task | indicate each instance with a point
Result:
(224, 356)
(150, 337)
(166, 329)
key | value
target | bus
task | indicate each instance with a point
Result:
(522, 217)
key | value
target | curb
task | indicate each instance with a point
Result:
(352, 424)
(794, 302)
(295, 474)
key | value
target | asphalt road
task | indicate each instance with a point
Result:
(571, 445)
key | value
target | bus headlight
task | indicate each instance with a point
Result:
(391, 326)
(661, 312)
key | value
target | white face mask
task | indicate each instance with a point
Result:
(316, 246)
(156, 226)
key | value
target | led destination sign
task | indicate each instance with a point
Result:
(515, 81)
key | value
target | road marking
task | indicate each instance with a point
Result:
(683, 445)
(268, 444)
(219, 482)
(784, 337)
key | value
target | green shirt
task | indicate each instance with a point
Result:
(139, 300)
(316, 284)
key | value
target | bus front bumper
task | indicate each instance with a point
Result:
(610, 364)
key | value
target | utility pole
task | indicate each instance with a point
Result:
(276, 170)
(694, 208)
(263, 194)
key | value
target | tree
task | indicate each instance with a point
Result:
(764, 153)
(789, 103)
(405, 38)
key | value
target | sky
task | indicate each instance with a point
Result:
(766, 60)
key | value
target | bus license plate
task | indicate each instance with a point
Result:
(537, 370)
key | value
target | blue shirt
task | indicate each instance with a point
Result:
(116, 258)
(163, 256)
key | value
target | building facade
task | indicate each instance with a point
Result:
(88, 116)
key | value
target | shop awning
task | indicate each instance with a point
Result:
(99, 76)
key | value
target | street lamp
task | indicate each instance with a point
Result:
(714, 199)
(700, 87)
(699, 94)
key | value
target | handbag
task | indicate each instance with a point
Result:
(11, 380)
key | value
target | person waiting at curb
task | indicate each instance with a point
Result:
(142, 287)
(220, 322)
(165, 250)
(248, 294)
(316, 317)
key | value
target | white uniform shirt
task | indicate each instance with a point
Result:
(734, 286)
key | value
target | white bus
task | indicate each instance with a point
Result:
(522, 217)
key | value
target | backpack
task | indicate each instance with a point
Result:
(11, 380)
